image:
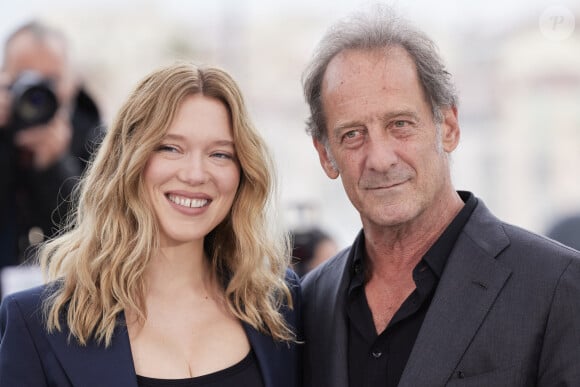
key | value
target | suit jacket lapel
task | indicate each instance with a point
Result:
(470, 284)
(332, 353)
(95, 365)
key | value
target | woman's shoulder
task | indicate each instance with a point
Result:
(293, 283)
(28, 301)
(291, 314)
(292, 278)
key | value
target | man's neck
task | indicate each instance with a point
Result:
(401, 247)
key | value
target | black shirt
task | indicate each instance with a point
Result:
(379, 360)
(246, 373)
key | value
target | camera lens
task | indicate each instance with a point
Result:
(36, 105)
(34, 101)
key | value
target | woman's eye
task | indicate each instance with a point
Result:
(167, 148)
(222, 155)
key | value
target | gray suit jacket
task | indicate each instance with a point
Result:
(506, 312)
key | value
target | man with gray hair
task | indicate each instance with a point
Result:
(435, 290)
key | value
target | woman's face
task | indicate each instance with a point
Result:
(193, 175)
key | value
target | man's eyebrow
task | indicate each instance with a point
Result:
(400, 113)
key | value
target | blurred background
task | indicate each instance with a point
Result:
(516, 64)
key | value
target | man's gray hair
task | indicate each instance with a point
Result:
(377, 28)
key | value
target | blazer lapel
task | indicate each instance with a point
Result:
(94, 365)
(275, 359)
(470, 284)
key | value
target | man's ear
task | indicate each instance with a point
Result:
(325, 160)
(450, 132)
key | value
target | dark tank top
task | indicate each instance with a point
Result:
(246, 373)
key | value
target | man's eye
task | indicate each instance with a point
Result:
(351, 135)
(400, 123)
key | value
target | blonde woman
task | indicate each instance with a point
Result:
(171, 273)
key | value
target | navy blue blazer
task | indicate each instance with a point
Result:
(29, 356)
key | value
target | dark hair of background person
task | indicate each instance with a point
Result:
(310, 247)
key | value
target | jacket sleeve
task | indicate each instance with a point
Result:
(560, 357)
(20, 363)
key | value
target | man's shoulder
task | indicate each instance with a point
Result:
(329, 272)
(540, 250)
(518, 247)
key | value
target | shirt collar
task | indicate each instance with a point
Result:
(437, 255)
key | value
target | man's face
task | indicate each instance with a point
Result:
(45, 56)
(382, 140)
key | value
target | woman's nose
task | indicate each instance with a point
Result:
(193, 170)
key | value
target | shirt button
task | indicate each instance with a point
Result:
(377, 354)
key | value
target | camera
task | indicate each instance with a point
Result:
(34, 101)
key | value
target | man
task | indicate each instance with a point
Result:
(39, 164)
(434, 290)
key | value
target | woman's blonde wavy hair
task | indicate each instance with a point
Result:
(98, 262)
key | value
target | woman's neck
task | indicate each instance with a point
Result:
(178, 269)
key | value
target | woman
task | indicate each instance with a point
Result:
(171, 272)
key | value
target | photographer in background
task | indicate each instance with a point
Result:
(48, 128)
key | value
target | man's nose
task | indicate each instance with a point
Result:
(380, 151)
